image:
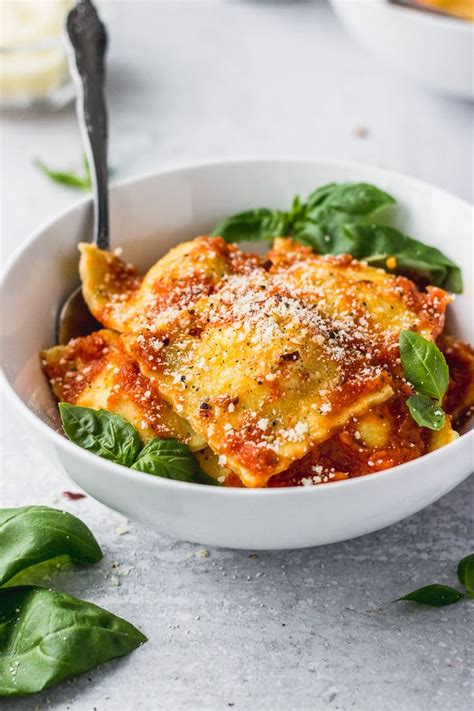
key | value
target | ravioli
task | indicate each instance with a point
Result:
(120, 299)
(459, 400)
(372, 298)
(276, 370)
(94, 371)
(110, 286)
(260, 374)
(383, 437)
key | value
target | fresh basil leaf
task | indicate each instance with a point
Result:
(171, 459)
(424, 365)
(99, 431)
(34, 534)
(202, 478)
(320, 195)
(324, 232)
(466, 573)
(334, 220)
(434, 595)
(360, 199)
(71, 180)
(112, 437)
(376, 243)
(253, 225)
(47, 636)
(42, 574)
(426, 412)
(326, 210)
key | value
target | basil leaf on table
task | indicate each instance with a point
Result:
(335, 220)
(48, 636)
(71, 180)
(424, 365)
(30, 535)
(466, 574)
(99, 431)
(434, 595)
(171, 459)
(426, 412)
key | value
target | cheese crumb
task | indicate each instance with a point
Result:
(122, 530)
(203, 553)
(301, 428)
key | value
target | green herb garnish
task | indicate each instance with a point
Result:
(48, 636)
(426, 369)
(466, 574)
(378, 243)
(338, 219)
(113, 438)
(170, 459)
(434, 595)
(108, 435)
(31, 535)
(426, 412)
(71, 180)
(441, 595)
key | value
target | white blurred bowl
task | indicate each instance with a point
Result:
(433, 49)
(148, 216)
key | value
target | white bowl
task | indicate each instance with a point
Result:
(433, 49)
(150, 215)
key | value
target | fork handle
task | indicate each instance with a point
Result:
(88, 43)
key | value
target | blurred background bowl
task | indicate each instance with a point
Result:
(435, 50)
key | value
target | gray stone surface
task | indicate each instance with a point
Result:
(309, 629)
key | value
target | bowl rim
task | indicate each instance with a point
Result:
(439, 20)
(73, 449)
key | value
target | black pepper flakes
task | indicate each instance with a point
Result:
(290, 357)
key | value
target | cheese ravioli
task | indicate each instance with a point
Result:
(120, 299)
(94, 371)
(260, 374)
(367, 297)
(276, 370)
